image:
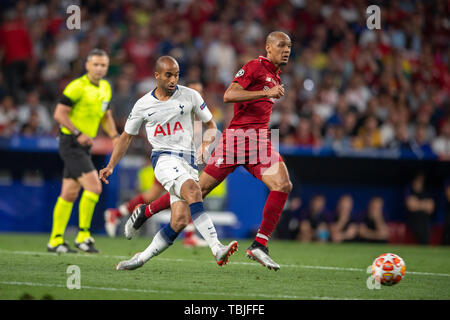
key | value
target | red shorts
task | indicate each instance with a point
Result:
(256, 155)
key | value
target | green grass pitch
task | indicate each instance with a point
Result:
(308, 271)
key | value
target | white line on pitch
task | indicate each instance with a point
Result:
(231, 263)
(254, 295)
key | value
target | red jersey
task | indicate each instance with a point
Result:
(255, 75)
(250, 145)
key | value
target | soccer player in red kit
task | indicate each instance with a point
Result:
(246, 142)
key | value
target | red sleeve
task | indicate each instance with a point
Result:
(245, 75)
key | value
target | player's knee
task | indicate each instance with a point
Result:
(69, 196)
(97, 189)
(179, 223)
(191, 192)
(283, 186)
(288, 187)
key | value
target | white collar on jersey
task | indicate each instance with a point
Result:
(153, 93)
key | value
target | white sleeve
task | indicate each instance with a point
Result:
(200, 107)
(134, 121)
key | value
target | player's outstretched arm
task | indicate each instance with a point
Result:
(236, 93)
(118, 152)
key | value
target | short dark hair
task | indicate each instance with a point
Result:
(96, 52)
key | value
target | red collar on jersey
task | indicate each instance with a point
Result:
(266, 62)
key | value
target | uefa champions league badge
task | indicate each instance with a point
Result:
(240, 73)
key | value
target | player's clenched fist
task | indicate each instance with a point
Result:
(105, 173)
(275, 92)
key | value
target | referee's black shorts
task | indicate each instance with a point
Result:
(77, 159)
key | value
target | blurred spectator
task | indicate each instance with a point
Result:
(420, 144)
(51, 72)
(340, 73)
(339, 111)
(17, 48)
(349, 123)
(313, 221)
(401, 139)
(358, 94)
(8, 116)
(222, 55)
(423, 119)
(441, 145)
(33, 125)
(369, 135)
(304, 136)
(139, 50)
(395, 118)
(287, 227)
(344, 228)
(122, 100)
(2, 87)
(419, 208)
(373, 227)
(35, 108)
(327, 98)
(285, 125)
(336, 139)
(248, 28)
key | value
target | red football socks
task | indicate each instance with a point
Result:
(271, 214)
(131, 204)
(159, 204)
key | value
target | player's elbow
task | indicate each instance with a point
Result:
(228, 96)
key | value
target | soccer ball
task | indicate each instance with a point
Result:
(388, 269)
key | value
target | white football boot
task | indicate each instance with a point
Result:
(131, 264)
(260, 253)
(224, 252)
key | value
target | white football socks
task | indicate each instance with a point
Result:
(205, 226)
(162, 240)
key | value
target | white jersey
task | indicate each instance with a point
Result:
(169, 124)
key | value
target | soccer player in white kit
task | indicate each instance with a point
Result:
(168, 113)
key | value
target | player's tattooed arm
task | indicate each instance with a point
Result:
(236, 93)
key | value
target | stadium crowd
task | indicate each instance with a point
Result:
(316, 219)
(347, 86)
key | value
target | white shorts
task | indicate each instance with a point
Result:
(172, 172)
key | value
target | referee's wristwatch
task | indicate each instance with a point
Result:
(76, 133)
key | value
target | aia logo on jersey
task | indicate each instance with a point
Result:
(160, 129)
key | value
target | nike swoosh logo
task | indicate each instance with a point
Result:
(151, 114)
